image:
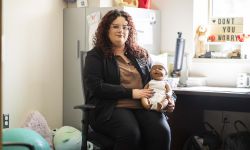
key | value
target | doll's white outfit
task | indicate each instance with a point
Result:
(160, 93)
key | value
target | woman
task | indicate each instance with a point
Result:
(116, 70)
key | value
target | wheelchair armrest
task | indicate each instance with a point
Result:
(85, 107)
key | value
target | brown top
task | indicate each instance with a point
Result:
(130, 78)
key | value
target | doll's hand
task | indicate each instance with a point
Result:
(161, 106)
(146, 103)
(171, 105)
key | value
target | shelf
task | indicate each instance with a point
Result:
(232, 50)
(226, 42)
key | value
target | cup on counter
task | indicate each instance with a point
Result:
(173, 82)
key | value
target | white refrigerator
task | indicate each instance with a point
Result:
(79, 25)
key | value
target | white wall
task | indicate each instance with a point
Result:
(176, 16)
(32, 59)
(215, 118)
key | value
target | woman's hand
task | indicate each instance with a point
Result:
(142, 93)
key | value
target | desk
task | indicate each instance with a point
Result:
(187, 118)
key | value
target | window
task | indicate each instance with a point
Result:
(229, 32)
(232, 8)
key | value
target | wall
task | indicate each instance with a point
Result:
(185, 16)
(176, 16)
(32, 59)
(216, 118)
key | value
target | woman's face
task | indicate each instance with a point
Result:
(118, 32)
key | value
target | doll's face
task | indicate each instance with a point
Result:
(158, 72)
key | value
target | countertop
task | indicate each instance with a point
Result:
(214, 91)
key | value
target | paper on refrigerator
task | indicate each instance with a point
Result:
(144, 27)
(93, 21)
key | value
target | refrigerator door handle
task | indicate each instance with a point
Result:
(78, 49)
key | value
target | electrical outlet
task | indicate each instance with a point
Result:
(6, 120)
(226, 117)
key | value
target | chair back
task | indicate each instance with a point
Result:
(85, 120)
(82, 65)
(100, 141)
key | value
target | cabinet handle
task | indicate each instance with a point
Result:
(78, 49)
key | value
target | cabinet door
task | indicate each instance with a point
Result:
(73, 42)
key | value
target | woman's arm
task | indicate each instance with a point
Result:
(94, 80)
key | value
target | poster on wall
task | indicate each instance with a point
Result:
(225, 37)
(223, 29)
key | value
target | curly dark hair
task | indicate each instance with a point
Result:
(103, 43)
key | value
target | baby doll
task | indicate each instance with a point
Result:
(162, 90)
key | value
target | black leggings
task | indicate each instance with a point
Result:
(137, 129)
